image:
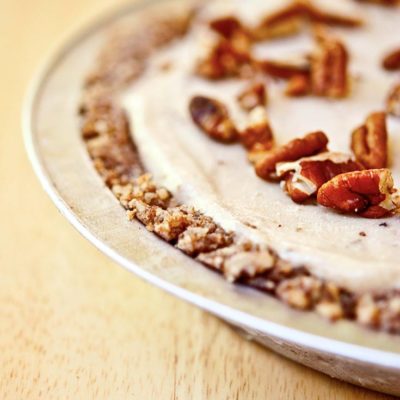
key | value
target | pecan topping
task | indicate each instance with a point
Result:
(253, 96)
(393, 101)
(258, 134)
(230, 56)
(319, 16)
(292, 18)
(369, 141)
(227, 58)
(304, 177)
(329, 67)
(309, 145)
(282, 69)
(298, 85)
(228, 27)
(391, 61)
(367, 193)
(287, 21)
(212, 117)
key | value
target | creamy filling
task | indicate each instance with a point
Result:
(357, 253)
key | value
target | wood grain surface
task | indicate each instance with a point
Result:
(74, 325)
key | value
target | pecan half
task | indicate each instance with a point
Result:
(282, 69)
(253, 96)
(369, 142)
(258, 134)
(368, 193)
(212, 117)
(391, 62)
(298, 85)
(309, 145)
(393, 101)
(329, 67)
(304, 177)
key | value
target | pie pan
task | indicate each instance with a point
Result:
(51, 127)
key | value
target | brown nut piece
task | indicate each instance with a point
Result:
(292, 18)
(253, 96)
(228, 27)
(258, 134)
(282, 69)
(227, 58)
(309, 145)
(212, 117)
(284, 22)
(386, 3)
(393, 101)
(368, 193)
(298, 85)
(391, 62)
(369, 142)
(320, 16)
(304, 177)
(329, 76)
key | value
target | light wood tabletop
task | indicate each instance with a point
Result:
(73, 324)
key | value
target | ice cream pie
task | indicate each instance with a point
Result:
(262, 139)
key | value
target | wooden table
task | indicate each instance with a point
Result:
(74, 325)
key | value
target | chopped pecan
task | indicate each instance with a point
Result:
(240, 261)
(228, 27)
(258, 134)
(298, 85)
(309, 145)
(196, 240)
(284, 22)
(105, 129)
(144, 189)
(320, 16)
(253, 96)
(329, 67)
(290, 19)
(230, 56)
(212, 117)
(304, 177)
(367, 311)
(393, 101)
(282, 69)
(370, 143)
(300, 292)
(391, 62)
(367, 193)
(227, 58)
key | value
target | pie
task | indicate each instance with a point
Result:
(263, 141)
